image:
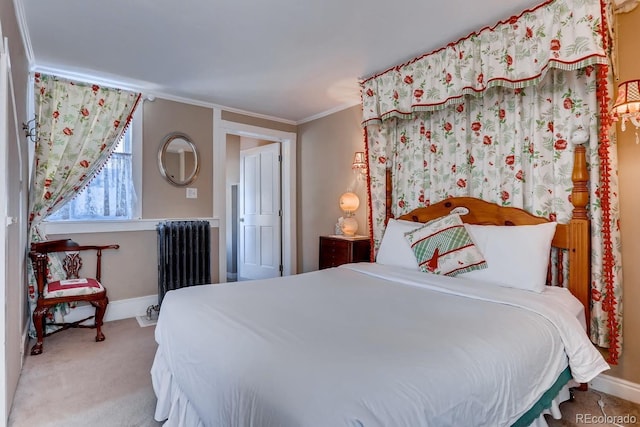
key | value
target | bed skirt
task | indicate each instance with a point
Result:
(174, 407)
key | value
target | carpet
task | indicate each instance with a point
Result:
(79, 382)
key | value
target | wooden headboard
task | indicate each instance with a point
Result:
(572, 238)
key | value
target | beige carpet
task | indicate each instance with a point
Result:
(77, 382)
(585, 411)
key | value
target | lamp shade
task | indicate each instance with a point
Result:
(628, 100)
(358, 161)
(627, 105)
(349, 202)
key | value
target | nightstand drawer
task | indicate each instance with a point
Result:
(334, 259)
(335, 251)
(333, 245)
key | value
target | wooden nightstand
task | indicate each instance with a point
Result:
(338, 250)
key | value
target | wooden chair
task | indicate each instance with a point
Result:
(73, 288)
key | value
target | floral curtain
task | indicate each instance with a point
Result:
(78, 127)
(509, 141)
(564, 34)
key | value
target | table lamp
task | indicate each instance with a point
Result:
(349, 202)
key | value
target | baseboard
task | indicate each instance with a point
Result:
(116, 310)
(126, 308)
(24, 345)
(616, 387)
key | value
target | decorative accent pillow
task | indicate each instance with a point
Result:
(518, 255)
(72, 287)
(443, 246)
(394, 248)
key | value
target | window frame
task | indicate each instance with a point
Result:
(109, 225)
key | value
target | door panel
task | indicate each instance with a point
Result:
(249, 243)
(266, 243)
(251, 184)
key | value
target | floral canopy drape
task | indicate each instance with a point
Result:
(493, 116)
(79, 125)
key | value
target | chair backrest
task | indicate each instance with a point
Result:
(71, 263)
(48, 246)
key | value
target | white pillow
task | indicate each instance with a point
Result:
(518, 256)
(394, 248)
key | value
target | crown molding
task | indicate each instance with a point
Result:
(328, 112)
(148, 90)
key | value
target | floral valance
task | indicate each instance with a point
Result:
(564, 34)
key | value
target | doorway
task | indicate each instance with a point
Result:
(227, 133)
(253, 238)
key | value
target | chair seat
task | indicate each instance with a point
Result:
(72, 287)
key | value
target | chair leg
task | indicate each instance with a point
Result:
(38, 322)
(101, 307)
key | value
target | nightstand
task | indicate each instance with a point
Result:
(338, 250)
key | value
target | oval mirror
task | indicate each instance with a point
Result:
(178, 159)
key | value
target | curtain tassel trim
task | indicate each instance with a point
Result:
(609, 303)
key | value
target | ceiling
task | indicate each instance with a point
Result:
(293, 60)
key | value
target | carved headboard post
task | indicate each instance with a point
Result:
(579, 233)
(388, 193)
(580, 176)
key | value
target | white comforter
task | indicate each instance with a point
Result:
(363, 345)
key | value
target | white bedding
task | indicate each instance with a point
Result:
(363, 345)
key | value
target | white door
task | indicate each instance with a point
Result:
(259, 214)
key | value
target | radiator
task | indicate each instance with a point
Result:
(184, 255)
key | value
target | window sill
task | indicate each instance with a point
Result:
(77, 227)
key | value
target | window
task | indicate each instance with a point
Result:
(110, 195)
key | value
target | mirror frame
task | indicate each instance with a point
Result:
(162, 152)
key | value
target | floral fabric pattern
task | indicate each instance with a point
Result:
(58, 288)
(511, 142)
(79, 125)
(515, 53)
(502, 148)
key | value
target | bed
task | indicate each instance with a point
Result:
(390, 344)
